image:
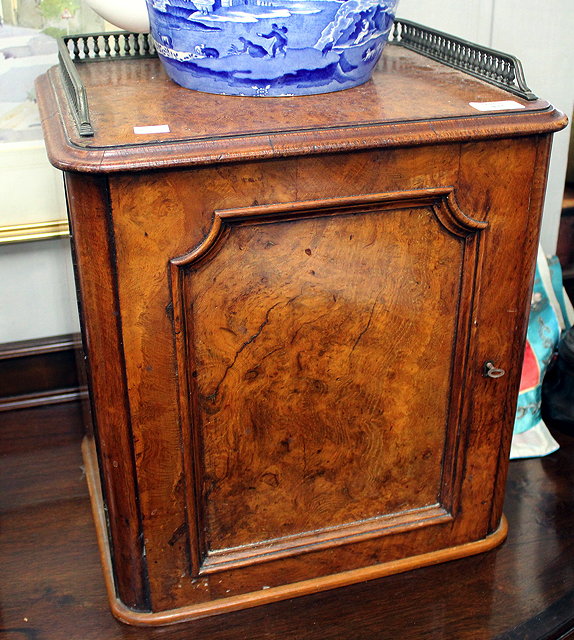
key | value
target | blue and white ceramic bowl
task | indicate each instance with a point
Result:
(266, 47)
(270, 47)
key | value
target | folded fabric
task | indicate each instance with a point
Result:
(550, 313)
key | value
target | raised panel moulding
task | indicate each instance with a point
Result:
(344, 315)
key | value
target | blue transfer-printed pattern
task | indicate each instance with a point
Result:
(270, 47)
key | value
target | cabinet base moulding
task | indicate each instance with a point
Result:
(265, 596)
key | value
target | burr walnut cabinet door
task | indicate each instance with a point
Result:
(322, 345)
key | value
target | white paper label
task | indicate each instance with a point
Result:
(158, 128)
(502, 105)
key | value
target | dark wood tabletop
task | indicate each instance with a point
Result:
(409, 100)
(51, 585)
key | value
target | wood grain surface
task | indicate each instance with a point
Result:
(93, 245)
(168, 215)
(410, 100)
(300, 334)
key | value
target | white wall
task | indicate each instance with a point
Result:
(37, 291)
(470, 19)
(36, 287)
(541, 35)
(544, 42)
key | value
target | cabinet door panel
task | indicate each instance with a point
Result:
(319, 343)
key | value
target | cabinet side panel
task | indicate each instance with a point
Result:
(94, 267)
(526, 257)
(500, 178)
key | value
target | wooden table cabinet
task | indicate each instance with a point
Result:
(288, 309)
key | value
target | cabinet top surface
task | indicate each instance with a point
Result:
(410, 100)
